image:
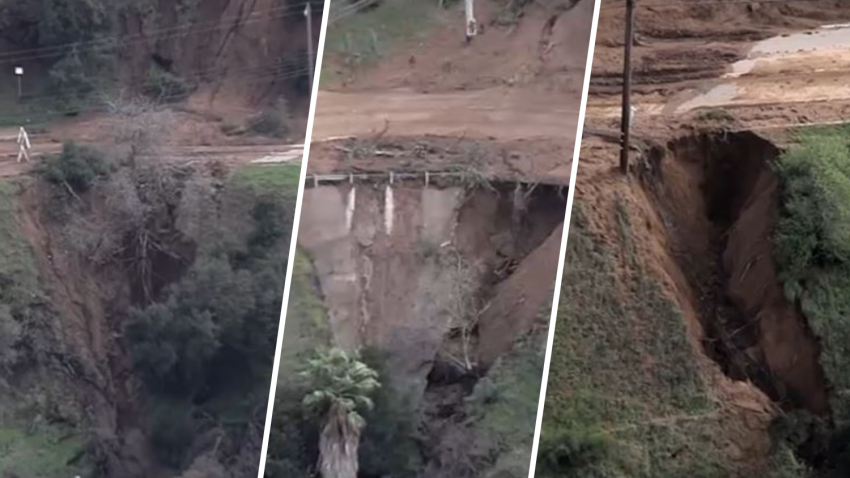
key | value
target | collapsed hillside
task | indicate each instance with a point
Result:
(228, 58)
(735, 366)
(140, 307)
(445, 290)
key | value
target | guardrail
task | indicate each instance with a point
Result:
(425, 177)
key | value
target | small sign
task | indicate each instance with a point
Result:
(19, 71)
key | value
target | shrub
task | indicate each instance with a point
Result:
(173, 430)
(77, 167)
(814, 229)
(10, 334)
(390, 443)
(164, 86)
(568, 452)
(812, 247)
(274, 120)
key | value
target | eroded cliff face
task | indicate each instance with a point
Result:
(242, 52)
(415, 272)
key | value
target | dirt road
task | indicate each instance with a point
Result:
(236, 155)
(801, 76)
(501, 113)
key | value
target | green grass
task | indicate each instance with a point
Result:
(306, 324)
(625, 396)
(363, 38)
(43, 453)
(16, 258)
(812, 240)
(28, 447)
(505, 404)
(269, 178)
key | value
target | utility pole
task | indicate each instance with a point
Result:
(309, 14)
(471, 23)
(626, 115)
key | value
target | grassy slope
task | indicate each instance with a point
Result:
(363, 38)
(813, 247)
(505, 403)
(28, 445)
(270, 178)
(625, 398)
(306, 326)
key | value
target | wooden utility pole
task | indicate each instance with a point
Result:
(626, 115)
(309, 14)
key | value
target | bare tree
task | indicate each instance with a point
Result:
(140, 126)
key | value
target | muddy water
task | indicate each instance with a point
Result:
(800, 67)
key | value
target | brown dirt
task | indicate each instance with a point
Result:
(669, 35)
(708, 241)
(243, 50)
(82, 297)
(518, 85)
(726, 198)
(721, 267)
(744, 410)
(543, 50)
(380, 288)
(519, 301)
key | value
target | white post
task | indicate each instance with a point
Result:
(471, 24)
(23, 145)
(349, 208)
(389, 207)
(19, 72)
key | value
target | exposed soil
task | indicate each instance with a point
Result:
(707, 199)
(726, 196)
(517, 83)
(399, 288)
(542, 48)
(86, 298)
(702, 65)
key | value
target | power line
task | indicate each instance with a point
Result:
(210, 74)
(118, 37)
(116, 41)
(98, 105)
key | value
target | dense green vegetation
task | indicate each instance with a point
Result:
(205, 256)
(812, 241)
(364, 37)
(31, 446)
(503, 408)
(626, 396)
(205, 342)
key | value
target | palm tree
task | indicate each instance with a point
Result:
(340, 386)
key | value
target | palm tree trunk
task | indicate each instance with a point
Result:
(338, 445)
